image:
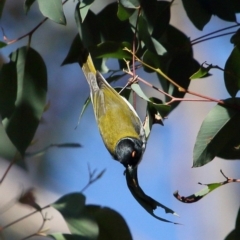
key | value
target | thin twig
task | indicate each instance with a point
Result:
(15, 158)
(220, 30)
(30, 33)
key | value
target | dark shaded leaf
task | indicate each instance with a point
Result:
(235, 39)
(27, 5)
(2, 44)
(8, 89)
(148, 203)
(224, 9)
(231, 150)
(157, 15)
(53, 10)
(124, 13)
(198, 15)
(90, 35)
(180, 69)
(74, 51)
(31, 97)
(72, 208)
(110, 49)
(218, 128)
(84, 8)
(232, 72)
(130, 3)
(114, 29)
(2, 3)
(153, 60)
(235, 234)
(61, 236)
(144, 35)
(111, 224)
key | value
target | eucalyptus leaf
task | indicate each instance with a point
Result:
(53, 10)
(235, 234)
(124, 13)
(84, 8)
(220, 126)
(162, 109)
(109, 49)
(110, 223)
(2, 44)
(62, 236)
(196, 12)
(90, 35)
(8, 89)
(232, 72)
(2, 3)
(72, 208)
(199, 195)
(27, 5)
(202, 72)
(21, 125)
(130, 3)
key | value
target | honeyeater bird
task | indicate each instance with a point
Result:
(119, 125)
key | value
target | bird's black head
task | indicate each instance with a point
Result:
(129, 152)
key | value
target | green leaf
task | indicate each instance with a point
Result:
(231, 150)
(2, 3)
(153, 60)
(110, 223)
(180, 68)
(218, 128)
(156, 112)
(114, 29)
(85, 105)
(21, 125)
(232, 72)
(198, 15)
(199, 195)
(110, 49)
(124, 13)
(27, 5)
(202, 71)
(222, 8)
(53, 10)
(161, 108)
(61, 236)
(89, 35)
(84, 8)
(235, 234)
(151, 43)
(148, 203)
(2, 44)
(72, 208)
(235, 39)
(8, 89)
(130, 3)
(74, 51)
(157, 15)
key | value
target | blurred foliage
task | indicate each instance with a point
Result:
(137, 32)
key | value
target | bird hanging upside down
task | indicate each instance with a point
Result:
(119, 125)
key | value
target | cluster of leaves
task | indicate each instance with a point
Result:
(144, 27)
